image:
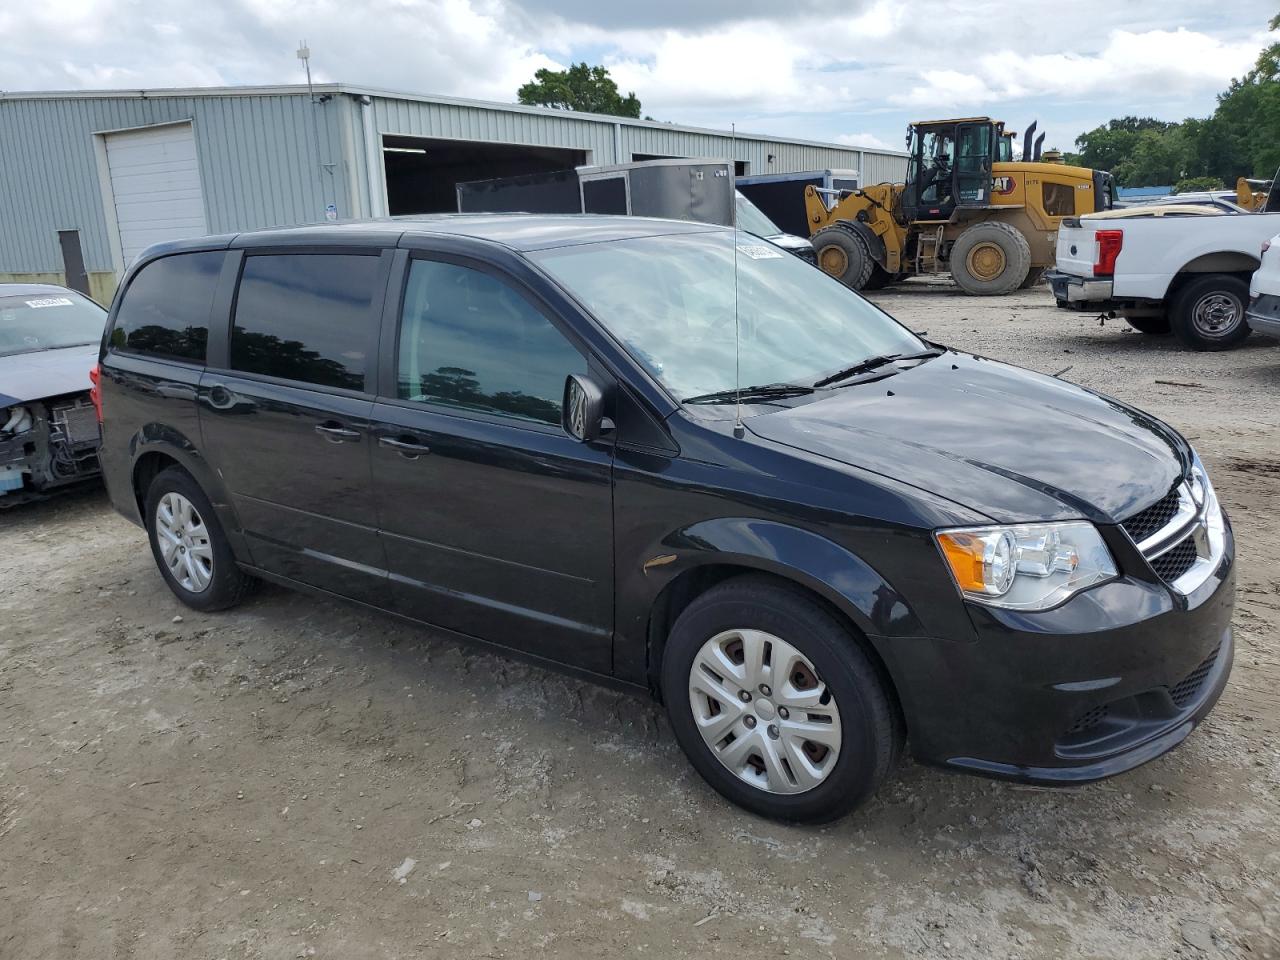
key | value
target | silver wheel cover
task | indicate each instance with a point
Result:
(1216, 315)
(764, 712)
(184, 542)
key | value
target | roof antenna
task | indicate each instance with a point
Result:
(739, 431)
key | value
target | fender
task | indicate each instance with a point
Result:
(164, 439)
(828, 569)
(873, 240)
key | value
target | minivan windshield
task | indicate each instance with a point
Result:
(48, 321)
(671, 300)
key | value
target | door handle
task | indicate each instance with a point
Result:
(406, 448)
(336, 432)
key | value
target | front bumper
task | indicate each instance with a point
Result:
(1263, 314)
(1113, 678)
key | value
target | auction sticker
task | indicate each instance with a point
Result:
(49, 302)
(758, 251)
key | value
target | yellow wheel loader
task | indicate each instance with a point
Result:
(967, 207)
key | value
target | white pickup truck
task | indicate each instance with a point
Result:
(1179, 268)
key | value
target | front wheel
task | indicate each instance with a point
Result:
(776, 704)
(844, 255)
(1208, 312)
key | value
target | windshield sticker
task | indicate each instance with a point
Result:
(49, 302)
(758, 251)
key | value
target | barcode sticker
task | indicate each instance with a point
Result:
(758, 251)
(48, 302)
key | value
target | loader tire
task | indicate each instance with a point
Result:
(990, 259)
(844, 255)
(879, 279)
(1034, 276)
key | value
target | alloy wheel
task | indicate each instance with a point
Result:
(764, 712)
(184, 542)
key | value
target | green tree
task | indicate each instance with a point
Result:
(584, 88)
(1108, 146)
(1196, 184)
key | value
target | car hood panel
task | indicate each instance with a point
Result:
(47, 373)
(1014, 445)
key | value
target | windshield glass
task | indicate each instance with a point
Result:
(670, 300)
(753, 220)
(48, 321)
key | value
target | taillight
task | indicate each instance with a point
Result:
(1109, 243)
(95, 391)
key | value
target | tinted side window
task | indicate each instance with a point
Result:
(165, 311)
(470, 340)
(305, 317)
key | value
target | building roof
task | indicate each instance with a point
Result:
(361, 90)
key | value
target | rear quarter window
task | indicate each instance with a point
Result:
(165, 310)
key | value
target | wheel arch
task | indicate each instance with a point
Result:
(157, 447)
(874, 242)
(839, 581)
(1235, 263)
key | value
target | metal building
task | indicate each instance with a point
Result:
(90, 178)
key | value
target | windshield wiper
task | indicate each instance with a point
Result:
(764, 391)
(873, 363)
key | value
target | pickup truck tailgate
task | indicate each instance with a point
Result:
(1076, 247)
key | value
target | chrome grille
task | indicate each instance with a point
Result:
(1180, 539)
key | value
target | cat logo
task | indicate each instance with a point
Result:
(1003, 185)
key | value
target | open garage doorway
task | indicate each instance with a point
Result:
(422, 174)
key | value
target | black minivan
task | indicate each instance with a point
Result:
(670, 456)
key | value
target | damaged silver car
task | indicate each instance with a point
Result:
(49, 436)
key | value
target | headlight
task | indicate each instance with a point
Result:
(1030, 566)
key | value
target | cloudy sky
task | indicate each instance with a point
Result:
(787, 67)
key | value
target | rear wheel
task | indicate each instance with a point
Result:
(776, 704)
(1208, 312)
(990, 259)
(189, 545)
(844, 255)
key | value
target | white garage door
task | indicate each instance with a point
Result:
(155, 182)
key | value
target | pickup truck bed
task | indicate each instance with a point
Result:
(1179, 268)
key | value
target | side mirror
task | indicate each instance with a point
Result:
(583, 411)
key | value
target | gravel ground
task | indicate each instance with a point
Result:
(300, 778)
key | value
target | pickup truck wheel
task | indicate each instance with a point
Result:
(844, 255)
(1148, 324)
(1208, 312)
(775, 702)
(990, 259)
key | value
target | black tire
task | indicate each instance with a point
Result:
(871, 731)
(228, 584)
(1198, 305)
(1155, 325)
(1013, 259)
(1034, 276)
(879, 279)
(844, 255)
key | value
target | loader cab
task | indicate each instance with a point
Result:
(949, 165)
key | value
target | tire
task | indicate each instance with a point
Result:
(204, 574)
(844, 255)
(999, 248)
(1034, 276)
(828, 669)
(1208, 312)
(879, 279)
(1148, 324)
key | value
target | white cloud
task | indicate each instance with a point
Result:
(868, 140)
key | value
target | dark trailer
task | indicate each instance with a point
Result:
(781, 195)
(673, 189)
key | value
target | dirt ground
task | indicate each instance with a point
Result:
(300, 778)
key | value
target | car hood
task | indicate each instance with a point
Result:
(1014, 445)
(45, 373)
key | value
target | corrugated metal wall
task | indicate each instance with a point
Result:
(275, 158)
(258, 167)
